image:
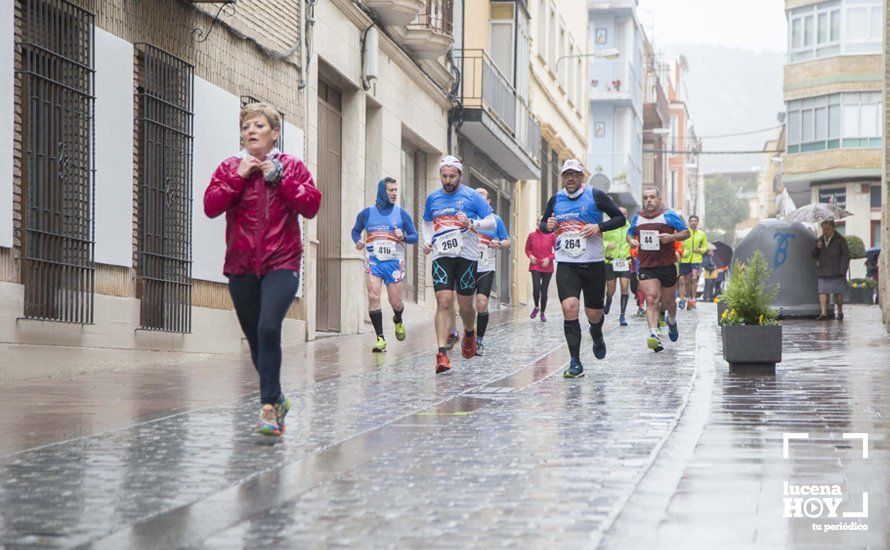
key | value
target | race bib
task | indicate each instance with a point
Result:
(572, 244)
(384, 250)
(649, 240)
(450, 244)
(620, 264)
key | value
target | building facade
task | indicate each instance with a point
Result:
(833, 89)
(112, 120)
(615, 134)
(497, 137)
(656, 119)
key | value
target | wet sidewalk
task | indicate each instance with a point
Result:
(666, 450)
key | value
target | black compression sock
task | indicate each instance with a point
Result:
(397, 315)
(573, 337)
(596, 329)
(377, 320)
(443, 350)
(481, 324)
(623, 303)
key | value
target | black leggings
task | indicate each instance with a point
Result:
(261, 304)
(540, 284)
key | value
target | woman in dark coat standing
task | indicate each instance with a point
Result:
(832, 263)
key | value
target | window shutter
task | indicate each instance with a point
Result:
(502, 47)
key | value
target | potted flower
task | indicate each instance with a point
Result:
(721, 307)
(752, 336)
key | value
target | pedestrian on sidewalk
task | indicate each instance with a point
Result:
(539, 249)
(263, 192)
(832, 263)
(709, 267)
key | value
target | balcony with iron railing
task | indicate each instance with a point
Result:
(624, 173)
(486, 89)
(616, 81)
(396, 13)
(430, 34)
(656, 109)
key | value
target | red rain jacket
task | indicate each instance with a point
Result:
(262, 228)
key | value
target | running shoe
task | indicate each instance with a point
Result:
(575, 370)
(673, 332)
(281, 410)
(599, 345)
(840, 317)
(607, 307)
(443, 364)
(400, 331)
(533, 314)
(468, 346)
(543, 317)
(690, 305)
(641, 312)
(480, 347)
(662, 320)
(654, 343)
(453, 338)
(681, 304)
(268, 422)
(622, 321)
(380, 346)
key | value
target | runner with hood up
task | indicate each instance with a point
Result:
(388, 229)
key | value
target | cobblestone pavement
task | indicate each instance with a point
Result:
(647, 451)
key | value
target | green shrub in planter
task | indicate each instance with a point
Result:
(751, 334)
(856, 246)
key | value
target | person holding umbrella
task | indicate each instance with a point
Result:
(832, 263)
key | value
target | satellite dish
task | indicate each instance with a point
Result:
(600, 181)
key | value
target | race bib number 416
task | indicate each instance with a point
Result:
(649, 240)
(384, 250)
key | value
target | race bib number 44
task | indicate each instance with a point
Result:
(649, 240)
(450, 243)
(384, 250)
(572, 244)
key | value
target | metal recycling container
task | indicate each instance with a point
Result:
(787, 248)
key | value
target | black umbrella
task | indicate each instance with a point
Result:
(722, 253)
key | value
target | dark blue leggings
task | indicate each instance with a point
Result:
(261, 304)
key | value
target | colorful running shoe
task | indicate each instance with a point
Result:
(622, 321)
(400, 332)
(641, 312)
(268, 422)
(533, 314)
(575, 370)
(480, 347)
(281, 410)
(543, 317)
(681, 304)
(599, 344)
(380, 346)
(453, 338)
(654, 343)
(468, 346)
(443, 363)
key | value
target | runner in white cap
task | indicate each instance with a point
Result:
(451, 217)
(489, 244)
(576, 215)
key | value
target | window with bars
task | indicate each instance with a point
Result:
(248, 99)
(58, 185)
(164, 103)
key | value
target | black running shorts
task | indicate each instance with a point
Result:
(484, 280)
(455, 274)
(590, 278)
(665, 274)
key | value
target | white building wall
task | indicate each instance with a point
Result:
(114, 150)
(216, 138)
(7, 71)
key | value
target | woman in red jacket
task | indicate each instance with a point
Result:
(262, 193)
(539, 249)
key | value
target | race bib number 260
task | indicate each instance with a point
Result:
(450, 243)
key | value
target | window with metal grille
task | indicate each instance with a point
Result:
(58, 187)
(248, 99)
(164, 103)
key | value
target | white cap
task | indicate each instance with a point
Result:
(572, 164)
(450, 160)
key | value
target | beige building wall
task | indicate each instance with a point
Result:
(403, 104)
(560, 111)
(885, 180)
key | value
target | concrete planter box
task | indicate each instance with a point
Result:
(752, 345)
(861, 296)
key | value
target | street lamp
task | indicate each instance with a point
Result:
(609, 53)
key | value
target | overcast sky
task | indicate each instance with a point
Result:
(747, 24)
